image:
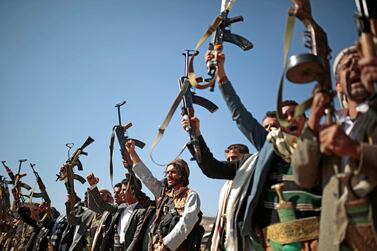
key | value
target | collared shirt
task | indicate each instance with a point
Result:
(348, 124)
(123, 220)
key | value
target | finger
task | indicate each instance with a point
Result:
(325, 149)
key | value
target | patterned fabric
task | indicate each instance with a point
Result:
(284, 144)
(306, 202)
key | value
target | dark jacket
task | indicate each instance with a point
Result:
(81, 220)
(38, 239)
(132, 226)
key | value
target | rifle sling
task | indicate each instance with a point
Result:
(168, 117)
(302, 107)
(111, 146)
(191, 74)
(212, 28)
(36, 195)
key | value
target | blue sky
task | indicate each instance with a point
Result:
(65, 64)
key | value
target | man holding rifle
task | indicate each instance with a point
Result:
(342, 159)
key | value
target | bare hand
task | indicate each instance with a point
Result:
(193, 122)
(130, 148)
(368, 75)
(220, 58)
(92, 180)
(320, 101)
(334, 141)
(161, 247)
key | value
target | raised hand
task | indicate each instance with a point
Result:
(92, 180)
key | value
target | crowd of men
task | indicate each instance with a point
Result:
(310, 186)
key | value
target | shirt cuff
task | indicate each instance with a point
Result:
(92, 187)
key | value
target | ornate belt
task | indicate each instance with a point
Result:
(298, 230)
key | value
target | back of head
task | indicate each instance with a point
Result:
(134, 182)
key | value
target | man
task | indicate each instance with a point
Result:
(175, 226)
(33, 215)
(261, 219)
(270, 121)
(79, 221)
(98, 220)
(125, 218)
(342, 159)
(233, 152)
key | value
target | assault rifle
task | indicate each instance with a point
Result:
(224, 34)
(308, 67)
(4, 198)
(43, 194)
(366, 24)
(190, 98)
(121, 134)
(16, 179)
(67, 174)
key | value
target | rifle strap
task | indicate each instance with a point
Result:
(191, 74)
(167, 119)
(31, 196)
(212, 28)
(301, 108)
(111, 146)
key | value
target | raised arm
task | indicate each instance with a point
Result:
(307, 155)
(96, 202)
(245, 121)
(210, 166)
(142, 171)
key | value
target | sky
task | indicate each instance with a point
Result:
(65, 64)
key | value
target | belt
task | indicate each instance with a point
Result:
(298, 230)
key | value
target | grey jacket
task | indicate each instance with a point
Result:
(311, 167)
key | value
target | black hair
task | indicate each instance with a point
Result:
(270, 114)
(289, 102)
(182, 171)
(136, 182)
(241, 148)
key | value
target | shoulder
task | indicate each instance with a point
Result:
(192, 195)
